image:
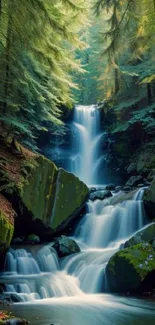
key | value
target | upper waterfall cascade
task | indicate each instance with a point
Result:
(86, 158)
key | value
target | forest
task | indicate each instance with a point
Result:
(77, 162)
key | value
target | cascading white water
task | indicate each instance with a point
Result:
(85, 160)
(37, 275)
(105, 224)
(100, 233)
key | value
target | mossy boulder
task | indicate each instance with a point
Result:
(132, 269)
(70, 196)
(38, 191)
(66, 246)
(51, 195)
(146, 234)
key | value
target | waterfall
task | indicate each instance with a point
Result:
(35, 275)
(85, 161)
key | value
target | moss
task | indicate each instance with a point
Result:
(68, 198)
(6, 230)
(138, 256)
(37, 192)
(128, 268)
(51, 195)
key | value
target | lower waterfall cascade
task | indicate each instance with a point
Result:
(37, 273)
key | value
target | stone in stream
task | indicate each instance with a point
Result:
(110, 187)
(146, 234)
(118, 188)
(100, 195)
(132, 270)
(66, 246)
(92, 190)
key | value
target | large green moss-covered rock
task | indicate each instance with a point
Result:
(70, 195)
(52, 195)
(132, 269)
(38, 191)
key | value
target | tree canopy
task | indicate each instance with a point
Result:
(38, 40)
(128, 42)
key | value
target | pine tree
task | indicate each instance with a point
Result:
(38, 40)
(129, 39)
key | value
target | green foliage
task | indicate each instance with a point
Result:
(38, 40)
(128, 80)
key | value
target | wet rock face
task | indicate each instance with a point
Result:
(149, 200)
(132, 169)
(151, 175)
(135, 181)
(145, 235)
(66, 246)
(149, 195)
(132, 269)
(100, 195)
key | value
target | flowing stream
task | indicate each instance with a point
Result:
(73, 290)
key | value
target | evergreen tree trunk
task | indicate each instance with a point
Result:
(0, 8)
(153, 89)
(116, 81)
(7, 70)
